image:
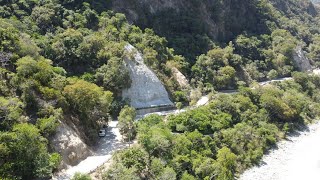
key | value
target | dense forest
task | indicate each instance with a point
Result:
(63, 61)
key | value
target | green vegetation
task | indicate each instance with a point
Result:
(222, 139)
(79, 176)
(63, 62)
(126, 123)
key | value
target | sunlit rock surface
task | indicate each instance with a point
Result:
(181, 79)
(146, 89)
(300, 60)
(69, 145)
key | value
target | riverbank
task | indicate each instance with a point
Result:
(297, 157)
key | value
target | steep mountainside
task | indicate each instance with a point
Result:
(191, 26)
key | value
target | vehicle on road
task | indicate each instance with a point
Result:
(102, 133)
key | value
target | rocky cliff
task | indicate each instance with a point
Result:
(146, 89)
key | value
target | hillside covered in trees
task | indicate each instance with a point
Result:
(63, 62)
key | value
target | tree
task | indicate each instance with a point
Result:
(11, 110)
(25, 154)
(157, 141)
(84, 96)
(226, 162)
(126, 122)
(186, 176)
(89, 103)
(167, 174)
(8, 37)
(65, 50)
(134, 157)
(114, 75)
(179, 105)
(40, 69)
(79, 176)
(119, 171)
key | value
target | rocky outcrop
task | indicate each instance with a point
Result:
(69, 145)
(146, 89)
(181, 79)
(300, 60)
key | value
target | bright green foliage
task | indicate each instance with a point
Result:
(119, 171)
(48, 126)
(179, 105)
(314, 49)
(180, 96)
(79, 176)
(226, 164)
(11, 110)
(186, 176)
(130, 163)
(90, 102)
(8, 37)
(132, 158)
(83, 96)
(126, 122)
(114, 75)
(156, 141)
(40, 70)
(24, 153)
(216, 67)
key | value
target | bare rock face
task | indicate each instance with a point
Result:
(69, 145)
(181, 79)
(300, 60)
(146, 89)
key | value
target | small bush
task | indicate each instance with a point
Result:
(79, 176)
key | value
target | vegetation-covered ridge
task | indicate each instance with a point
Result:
(193, 27)
(222, 139)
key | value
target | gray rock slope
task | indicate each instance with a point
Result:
(300, 60)
(146, 89)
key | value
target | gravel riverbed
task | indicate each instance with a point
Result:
(297, 158)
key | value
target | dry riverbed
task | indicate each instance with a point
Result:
(297, 158)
